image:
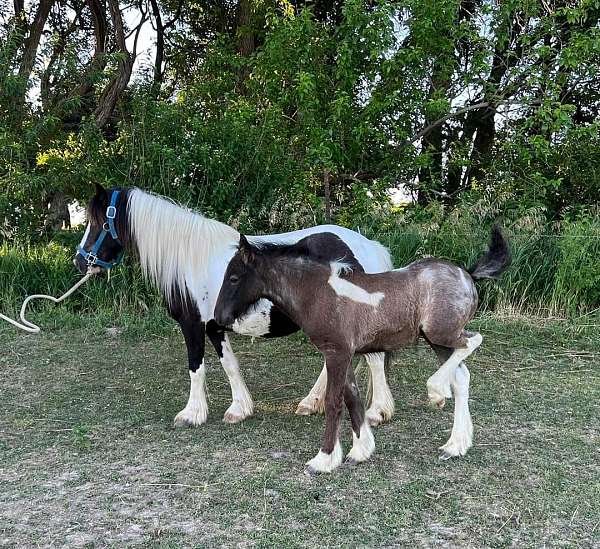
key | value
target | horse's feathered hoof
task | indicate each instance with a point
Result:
(311, 472)
(445, 456)
(438, 403)
(304, 410)
(350, 462)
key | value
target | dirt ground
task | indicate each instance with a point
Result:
(89, 458)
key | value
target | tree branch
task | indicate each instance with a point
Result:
(483, 105)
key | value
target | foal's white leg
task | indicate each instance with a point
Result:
(438, 385)
(461, 438)
(242, 405)
(381, 408)
(314, 402)
(362, 446)
(196, 409)
(325, 463)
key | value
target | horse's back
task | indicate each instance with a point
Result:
(370, 254)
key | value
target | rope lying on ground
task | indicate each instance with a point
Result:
(30, 326)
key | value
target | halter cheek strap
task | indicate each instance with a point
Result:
(108, 228)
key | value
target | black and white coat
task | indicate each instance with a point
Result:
(186, 254)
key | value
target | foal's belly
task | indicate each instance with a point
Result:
(390, 342)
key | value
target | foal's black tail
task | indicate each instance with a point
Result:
(495, 261)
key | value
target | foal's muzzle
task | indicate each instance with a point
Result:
(224, 319)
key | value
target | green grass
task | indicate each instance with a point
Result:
(88, 455)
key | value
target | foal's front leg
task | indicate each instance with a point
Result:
(381, 408)
(242, 405)
(330, 455)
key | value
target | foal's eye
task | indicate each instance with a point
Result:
(234, 279)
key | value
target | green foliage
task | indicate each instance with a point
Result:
(335, 92)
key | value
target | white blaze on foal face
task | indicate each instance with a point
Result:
(345, 288)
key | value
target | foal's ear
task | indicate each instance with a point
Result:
(246, 250)
(100, 191)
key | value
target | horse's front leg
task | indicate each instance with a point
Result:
(330, 455)
(196, 409)
(242, 405)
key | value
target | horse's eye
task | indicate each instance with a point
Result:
(234, 279)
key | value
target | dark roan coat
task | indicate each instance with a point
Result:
(344, 311)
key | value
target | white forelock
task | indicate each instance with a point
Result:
(174, 243)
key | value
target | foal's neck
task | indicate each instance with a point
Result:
(291, 284)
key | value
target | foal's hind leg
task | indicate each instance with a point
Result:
(438, 385)
(461, 438)
(363, 443)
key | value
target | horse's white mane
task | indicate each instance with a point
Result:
(339, 268)
(173, 242)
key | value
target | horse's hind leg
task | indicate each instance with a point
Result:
(381, 408)
(439, 384)
(242, 405)
(314, 402)
(363, 443)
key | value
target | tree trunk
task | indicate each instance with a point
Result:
(157, 78)
(58, 212)
(117, 85)
(327, 189)
(31, 45)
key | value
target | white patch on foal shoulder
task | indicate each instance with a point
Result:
(345, 288)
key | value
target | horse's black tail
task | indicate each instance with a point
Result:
(495, 261)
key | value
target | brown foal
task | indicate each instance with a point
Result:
(345, 312)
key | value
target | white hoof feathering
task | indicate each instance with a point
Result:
(363, 446)
(238, 411)
(314, 402)
(381, 408)
(196, 409)
(325, 463)
(191, 417)
(310, 405)
(459, 443)
(461, 438)
(438, 392)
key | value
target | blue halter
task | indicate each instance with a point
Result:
(108, 228)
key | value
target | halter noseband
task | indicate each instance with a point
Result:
(107, 228)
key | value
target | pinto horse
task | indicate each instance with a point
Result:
(344, 312)
(185, 254)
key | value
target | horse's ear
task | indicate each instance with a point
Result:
(246, 250)
(100, 191)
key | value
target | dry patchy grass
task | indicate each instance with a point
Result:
(88, 456)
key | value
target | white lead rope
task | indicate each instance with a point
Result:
(30, 326)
